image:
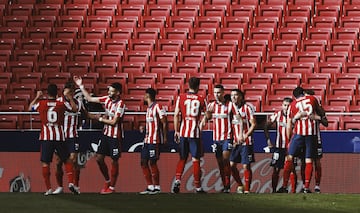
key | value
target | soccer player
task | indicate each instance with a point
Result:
(52, 136)
(320, 118)
(71, 139)
(243, 150)
(156, 132)
(109, 144)
(221, 111)
(187, 127)
(280, 119)
(304, 131)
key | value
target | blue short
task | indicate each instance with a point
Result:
(239, 154)
(49, 147)
(150, 152)
(299, 143)
(190, 145)
(110, 147)
(220, 146)
(72, 145)
(278, 158)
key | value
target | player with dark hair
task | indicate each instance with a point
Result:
(110, 143)
(52, 137)
(304, 131)
(221, 111)
(243, 151)
(71, 137)
(187, 127)
(156, 133)
(280, 150)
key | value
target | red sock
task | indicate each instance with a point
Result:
(197, 173)
(76, 175)
(155, 173)
(114, 174)
(147, 174)
(308, 174)
(287, 170)
(227, 173)
(46, 176)
(59, 175)
(247, 175)
(236, 175)
(274, 180)
(317, 174)
(180, 169)
(69, 172)
(293, 180)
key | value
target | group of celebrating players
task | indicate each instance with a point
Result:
(233, 123)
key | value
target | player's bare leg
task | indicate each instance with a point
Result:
(59, 173)
(236, 176)
(317, 175)
(275, 179)
(100, 159)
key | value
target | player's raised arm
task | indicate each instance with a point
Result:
(35, 101)
(88, 97)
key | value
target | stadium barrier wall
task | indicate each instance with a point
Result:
(20, 168)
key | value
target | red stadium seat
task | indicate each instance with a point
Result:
(8, 121)
(325, 21)
(198, 45)
(226, 78)
(159, 67)
(101, 67)
(317, 79)
(125, 21)
(283, 89)
(77, 67)
(338, 89)
(76, 9)
(346, 78)
(11, 32)
(256, 45)
(98, 21)
(38, 32)
(87, 44)
(31, 44)
(46, 9)
(244, 67)
(31, 121)
(301, 67)
(170, 45)
(54, 55)
(176, 33)
(172, 78)
(136, 89)
(15, 66)
(181, 22)
(120, 33)
(164, 56)
(17, 99)
(137, 56)
(23, 88)
(208, 21)
(187, 67)
(5, 77)
(15, 21)
(215, 67)
(274, 67)
(255, 89)
(284, 45)
(251, 56)
(142, 44)
(159, 10)
(349, 123)
(93, 32)
(287, 78)
(109, 78)
(43, 21)
(128, 67)
(187, 10)
(82, 55)
(71, 21)
(7, 43)
(131, 10)
(59, 78)
(48, 66)
(26, 55)
(104, 9)
(142, 78)
(65, 32)
(20, 9)
(28, 77)
(203, 33)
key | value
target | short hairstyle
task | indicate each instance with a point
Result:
(309, 91)
(194, 83)
(219, 86)
(227, 97)
(69, 85)
(298, 91)
(117, 86)
(241, 93)
(52, 90)
(287, 99)
(151, 92)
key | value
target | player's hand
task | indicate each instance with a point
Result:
(39, 94)
(177, 137)
(78, 80)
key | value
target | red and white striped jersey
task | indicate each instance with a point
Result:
(191, 105)
(304, 126)
(52, 119)
(71, 119)
(112, 109)
(222, 115)
(246, 112)
(154, 114)
(281, 137)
